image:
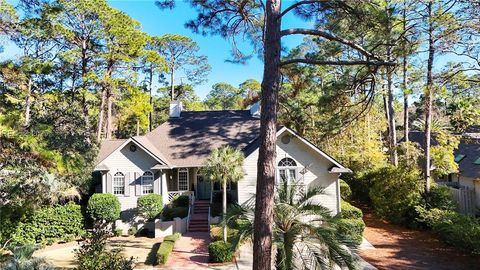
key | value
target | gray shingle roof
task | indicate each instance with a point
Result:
(190, 138)
(469, 146)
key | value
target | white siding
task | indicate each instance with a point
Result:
(473, 184)
(317, 172)
(129, 162)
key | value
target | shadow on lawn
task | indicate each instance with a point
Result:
(152, 255)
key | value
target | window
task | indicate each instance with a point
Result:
(287, 170)
(459, 157)
(183, 179)
(147, 182)
(119, 183)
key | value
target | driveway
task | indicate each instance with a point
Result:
(399, 248)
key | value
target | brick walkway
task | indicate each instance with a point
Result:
(190, 252)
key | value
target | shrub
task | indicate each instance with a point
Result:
(220, 251)
(93, 254)
(170, 213)
(460, 230)
(216, 233)
(166, 247)
(181, 201)
(150, 206)
(350, 230)
(118, 232)
(359, 185)
(395, 192)
(350, 211)
(132, 231)
(103, 206)
(345, 191)
(441, 198)
(50, 224)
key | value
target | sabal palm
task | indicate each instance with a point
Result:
(224, 165)
(304, 234)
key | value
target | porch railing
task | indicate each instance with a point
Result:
(174, 194)
(191, 205)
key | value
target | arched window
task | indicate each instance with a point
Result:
(119, 183)
(147, 182)
(183, 179)
(287, 170)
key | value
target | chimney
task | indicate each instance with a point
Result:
(255, 109)
(175, 108)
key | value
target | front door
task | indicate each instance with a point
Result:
(203, 188)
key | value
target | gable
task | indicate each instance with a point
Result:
(123, 159)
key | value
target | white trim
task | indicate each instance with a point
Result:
(279, 132)
(178, 178)
(142, 185)
(139, 145)
(122, 175)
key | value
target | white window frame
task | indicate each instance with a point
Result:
(150, 176)
(183, 170)
(288, 170)
(119, 176)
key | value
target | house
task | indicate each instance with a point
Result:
(168, 160)
(467, 156)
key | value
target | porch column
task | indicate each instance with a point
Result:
(164, 188)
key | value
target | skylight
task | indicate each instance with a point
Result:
(459, 158)
(477, 162)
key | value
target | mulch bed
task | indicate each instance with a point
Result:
(401, 248)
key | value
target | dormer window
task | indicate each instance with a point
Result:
(459, 157)
(287, 170)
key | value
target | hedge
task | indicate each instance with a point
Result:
(50, 224)
(216, 232)
(103, 206)
(220, 252)
(150, 206)
(350, 211)
(181, 201)
(350, 230)
(345, 191)
(166, 247)
(170, 213)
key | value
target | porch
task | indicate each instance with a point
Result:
(190, 181)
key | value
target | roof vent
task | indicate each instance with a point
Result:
(255, 109)
(175, 108)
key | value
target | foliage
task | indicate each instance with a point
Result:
(94, 254)
(350, 229)
(23, 259)
(296, 216)
(456, 229)
(220, 251)
(350, 211)
(216, 232)
(104, 206)
(345, 191)
(395, 191)
(166, 248)
(132, 231)
(441, 198)
(169, 213)
(49, 224)
(443, 154)
(118, 232)
(150, 206)
(223, 96)
(181, 201)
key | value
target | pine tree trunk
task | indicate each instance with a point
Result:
(85, 109)
(262, 242)
(108, 126)
(404, 83)
(392, 132)
(172, 86)
(224, 206)
(150, 114)
(101, 115)
(429, 98)
(28, 102)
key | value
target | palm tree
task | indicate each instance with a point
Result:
(224, 165)
(304, 232)
(23, 259)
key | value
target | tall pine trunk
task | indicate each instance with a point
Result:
(101, 114)
(429, 98)
(406, 128)
(224, 206)
(392, 132)
(28, 102)
(85, 109)
(262, 242)
(108, 126)
(172, 84)
(150, 114)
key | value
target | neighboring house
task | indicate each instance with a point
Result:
(168, 160)
(467, 156)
